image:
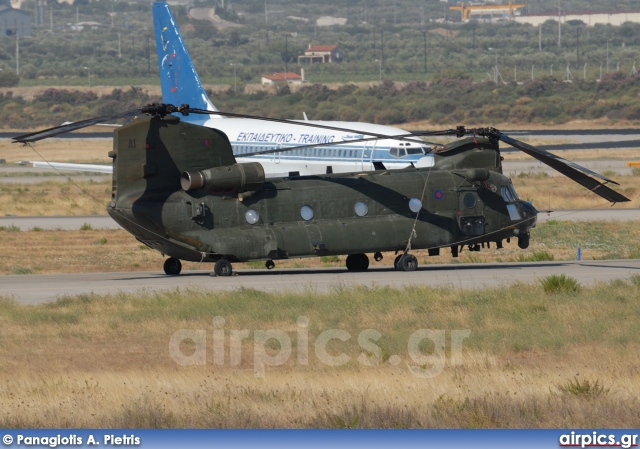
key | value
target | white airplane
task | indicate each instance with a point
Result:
(330, 150)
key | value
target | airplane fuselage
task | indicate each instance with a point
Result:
(337, 156)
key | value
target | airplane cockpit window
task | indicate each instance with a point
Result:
(406, 150)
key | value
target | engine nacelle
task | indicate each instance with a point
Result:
(240, 177)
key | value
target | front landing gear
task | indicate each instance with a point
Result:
(172, 266)
(222, 268)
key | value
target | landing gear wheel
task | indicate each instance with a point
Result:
(408, 262)
(395, 263)
(377, 256)
(222, 268)
(269, 264)
(357, 262)
(172, 266)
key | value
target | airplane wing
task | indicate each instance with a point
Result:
(90, 168)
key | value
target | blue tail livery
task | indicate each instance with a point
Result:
(178, 78)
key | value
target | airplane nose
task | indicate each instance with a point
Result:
(425, 161)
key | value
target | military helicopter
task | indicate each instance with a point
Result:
(178, 189)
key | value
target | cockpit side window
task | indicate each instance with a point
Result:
(506, 194)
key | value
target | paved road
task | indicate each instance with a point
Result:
(105, 222)
(37, 289)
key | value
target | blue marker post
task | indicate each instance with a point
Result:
(579, 258)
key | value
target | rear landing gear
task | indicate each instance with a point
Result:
(222, 268)
(357, 262)
(172, 266)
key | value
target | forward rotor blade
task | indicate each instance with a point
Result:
(579, 174)
(57, 130)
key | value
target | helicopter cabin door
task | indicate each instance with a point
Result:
(470, 212)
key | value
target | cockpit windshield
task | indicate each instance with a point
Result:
(407, 149)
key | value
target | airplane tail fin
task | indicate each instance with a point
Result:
(178, 78)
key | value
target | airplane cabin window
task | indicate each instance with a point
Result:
(394, 152)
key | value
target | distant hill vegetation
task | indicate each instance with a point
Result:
(414, 65)
(443, 101)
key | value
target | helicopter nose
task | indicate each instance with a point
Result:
(425, 161)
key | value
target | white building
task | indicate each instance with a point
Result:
(616, 18)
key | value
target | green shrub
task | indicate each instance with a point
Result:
(559, 283)
(583, 389)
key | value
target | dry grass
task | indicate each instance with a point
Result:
(89, 151)
(115, 250)
(103, 361)
(53, 197)
(559, 192)
(579, 155)
(478, 397)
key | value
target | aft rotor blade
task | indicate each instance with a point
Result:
(57, 130)
(579, 174)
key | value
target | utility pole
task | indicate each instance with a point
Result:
(381, 50)
(474, 33)
(148, 58)
(234, 77)
(608, 40)
(424, 34)
(540, 37)
(577, 47)
(394, 12)
(17, 53)
(286, 55)
(559, 25)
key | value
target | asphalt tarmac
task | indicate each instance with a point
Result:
(38, 289)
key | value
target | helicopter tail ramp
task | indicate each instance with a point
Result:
(179, 80)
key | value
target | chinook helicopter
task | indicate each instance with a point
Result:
(178, 189)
